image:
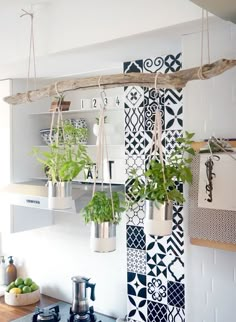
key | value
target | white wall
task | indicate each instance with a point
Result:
(210, 109)
(88, 32)
(52, 255)
(87, 23)
(69, 24)
(6, 152)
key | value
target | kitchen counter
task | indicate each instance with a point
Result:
(9, 313)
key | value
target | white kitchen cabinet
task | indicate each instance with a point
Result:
(16, 139)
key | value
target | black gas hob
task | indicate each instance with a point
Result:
(65, 314)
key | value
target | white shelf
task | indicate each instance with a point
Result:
(92, 110)
(118, 146)
(90, 182)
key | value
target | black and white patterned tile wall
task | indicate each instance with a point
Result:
(155, 265)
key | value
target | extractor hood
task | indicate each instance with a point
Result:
(34, 194)
(225, 9)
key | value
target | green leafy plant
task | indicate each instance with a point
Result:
(66, 157)
(158, 182)
(100, 209)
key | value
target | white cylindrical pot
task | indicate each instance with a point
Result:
(60, 195)
(158, 221)
(58, 203)
(108, 130)
(103, 237)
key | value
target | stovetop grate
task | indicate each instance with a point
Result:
(64, 312)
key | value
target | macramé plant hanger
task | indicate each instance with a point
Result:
(158, 219)
(59, 191)
(103, 211)
(157, 184)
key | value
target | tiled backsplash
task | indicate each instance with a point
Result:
(156, 290)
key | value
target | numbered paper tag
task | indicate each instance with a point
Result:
(86, 104)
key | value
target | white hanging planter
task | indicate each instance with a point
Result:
(59, 195)
(103, 237)
(109, 132)
(158, 221)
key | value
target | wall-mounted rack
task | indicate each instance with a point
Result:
(203, 222)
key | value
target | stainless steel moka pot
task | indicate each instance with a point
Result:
(80, 303)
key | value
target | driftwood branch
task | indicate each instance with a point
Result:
(173, 80)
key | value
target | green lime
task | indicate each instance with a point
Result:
(19, 281)
(28, 281)
(21, 286)
(34, 287)
(26, 289)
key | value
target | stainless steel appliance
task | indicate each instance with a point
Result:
(80, 304)
(63, 313)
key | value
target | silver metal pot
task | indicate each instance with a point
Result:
(158, 221)
(163, 212)
(103, 237)
(61, 189)
(104, 230)
(59, 195)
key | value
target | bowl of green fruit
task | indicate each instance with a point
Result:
(22, 292)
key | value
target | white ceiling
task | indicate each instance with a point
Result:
(91, 36)
(112, 41)
(225, 9)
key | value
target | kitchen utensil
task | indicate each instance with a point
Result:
(80, 303)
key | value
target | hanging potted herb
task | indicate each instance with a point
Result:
(59, 102)
(64, 160)
(104, 213)
(157, 186)
(105, 208)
